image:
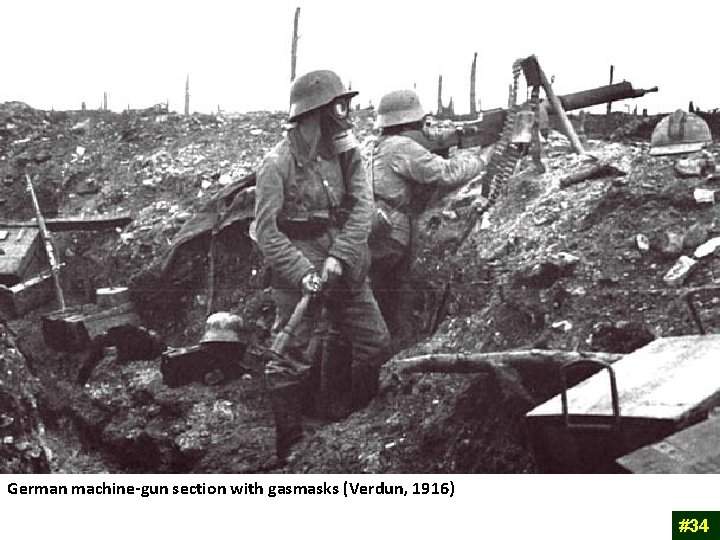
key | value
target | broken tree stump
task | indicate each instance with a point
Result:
(489, 362)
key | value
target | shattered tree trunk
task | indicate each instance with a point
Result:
(439, 103)
(483, 362)
(473, 106)
(609, 105)
(293, 48)
(187, 95)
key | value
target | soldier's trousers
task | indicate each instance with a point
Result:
(355, 320)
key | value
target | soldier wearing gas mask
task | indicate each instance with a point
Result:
(312, 218)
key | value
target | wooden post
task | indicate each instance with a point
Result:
(557, 106)
(293, 48)
(439, 103)
(609, 105)
(473, 104)
(104, 101)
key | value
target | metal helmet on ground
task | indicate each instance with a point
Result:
(679, 133)
(399, 107)
(314, 90)
(222, 327)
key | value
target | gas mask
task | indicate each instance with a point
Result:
(337, 126)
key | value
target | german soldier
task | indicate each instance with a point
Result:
(400, 166)
(312, 218)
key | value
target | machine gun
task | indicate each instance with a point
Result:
(487, 129)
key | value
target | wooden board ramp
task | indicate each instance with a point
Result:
(662, 388)
(693, 450)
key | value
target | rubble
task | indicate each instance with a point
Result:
(680, 271)
(547, 267)
(704, 195)
(23, 448)
(708, 248)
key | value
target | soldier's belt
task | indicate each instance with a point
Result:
(304, 228)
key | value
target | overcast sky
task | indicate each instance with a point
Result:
(61, 53)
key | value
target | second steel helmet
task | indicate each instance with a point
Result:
(679, 133)
(314, 90)
(399, 107)
(223, 327)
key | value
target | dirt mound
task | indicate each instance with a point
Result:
(547, 267)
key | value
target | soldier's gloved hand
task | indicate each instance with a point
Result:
(332, 269)
(311, 283)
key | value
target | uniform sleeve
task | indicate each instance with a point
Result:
(422, 166)
(285, 259)
(350, 245)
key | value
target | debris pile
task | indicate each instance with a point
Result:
(593, 254)
(22, 434)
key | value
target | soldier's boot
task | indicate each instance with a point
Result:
(286, 401)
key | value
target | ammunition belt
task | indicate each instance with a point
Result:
(503, 159)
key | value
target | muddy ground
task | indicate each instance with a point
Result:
(547, 267)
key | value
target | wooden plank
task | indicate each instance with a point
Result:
(73, 223)
(670, 378)
(692, 450)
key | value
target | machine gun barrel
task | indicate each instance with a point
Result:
(487, 130)
(602, 94)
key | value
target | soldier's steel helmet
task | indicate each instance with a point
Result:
(679, 133)
(223, 327)
(314, 90)
(399, 107)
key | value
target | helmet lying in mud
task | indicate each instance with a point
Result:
(223, 327)
(399, 107)
(679, 133)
